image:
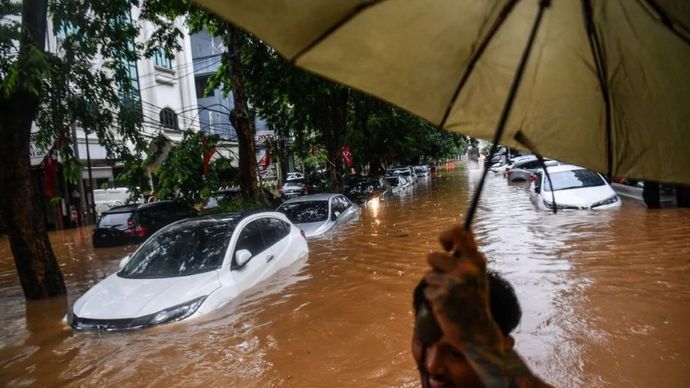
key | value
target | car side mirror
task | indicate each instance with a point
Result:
(242, 257)
(124, 261)
(335, 216)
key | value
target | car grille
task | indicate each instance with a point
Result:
(109, 324)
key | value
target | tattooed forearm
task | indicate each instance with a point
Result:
(501, 369)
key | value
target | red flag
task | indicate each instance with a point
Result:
(50, 166)
(265, 161)
(207, 160)
(346, 152)
(207, 156)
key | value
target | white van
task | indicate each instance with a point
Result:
(104, 199)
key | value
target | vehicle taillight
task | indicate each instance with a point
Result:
(140, 231)
(509, 171)
(533, 178)
(130, 222)
(306, 189)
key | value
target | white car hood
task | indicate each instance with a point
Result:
(117, 298)
(314, 228)
(583, 197)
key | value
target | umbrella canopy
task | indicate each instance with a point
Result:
(606, 86)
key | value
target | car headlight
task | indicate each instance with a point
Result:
(69, 317)
(607, 201)
(176, 313)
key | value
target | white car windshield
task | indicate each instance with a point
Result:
(306, 211)
(182, 249)
(363, 187)
(574, 179)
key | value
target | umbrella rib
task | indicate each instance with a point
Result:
(600, 62)
(668, 22)
(475, 57)
(356, 11)
(507, 107)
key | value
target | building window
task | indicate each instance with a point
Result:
(160, 59)
(168, 118)
(200, 83)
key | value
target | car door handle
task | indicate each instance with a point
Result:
(269, 258)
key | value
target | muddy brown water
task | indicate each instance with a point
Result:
(605, 297)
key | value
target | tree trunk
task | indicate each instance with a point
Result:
(22, 208)
(239, 117)
(333, 123)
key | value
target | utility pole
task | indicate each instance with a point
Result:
(92, 205)
(82, 196)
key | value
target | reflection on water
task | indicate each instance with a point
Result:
(604, 294)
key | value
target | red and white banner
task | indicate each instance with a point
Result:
(346, 152)
(265, 161)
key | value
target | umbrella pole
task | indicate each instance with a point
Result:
(543, 4)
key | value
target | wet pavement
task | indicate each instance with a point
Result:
(605, 297)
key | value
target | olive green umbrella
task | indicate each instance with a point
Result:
(605, 85)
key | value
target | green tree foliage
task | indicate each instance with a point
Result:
(382, 135)
(317, 112)
(182, 176)
(86, 82)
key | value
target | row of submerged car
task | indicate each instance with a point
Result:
(555, 185)
(134, 223)
(358, 188)
(188, 266)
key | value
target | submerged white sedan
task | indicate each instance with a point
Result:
(573, 188)
(317, 214)
(189, 268)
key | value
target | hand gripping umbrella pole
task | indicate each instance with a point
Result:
(426, 326)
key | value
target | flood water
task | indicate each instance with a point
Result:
(605, 297)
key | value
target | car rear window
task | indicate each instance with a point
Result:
(181, 250)
(573, 179)
(307, 211)
(393, 181)
(114, 219)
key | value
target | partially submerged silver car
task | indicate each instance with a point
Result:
(319, 213)
(522, 171)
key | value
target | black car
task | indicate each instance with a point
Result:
(135, 223)
(363, 190)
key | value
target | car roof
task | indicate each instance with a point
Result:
(236, 218)
(136, 206)
(563, 167)
(522, 158)
(313, 197)
(122, 209)
(525, 161)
